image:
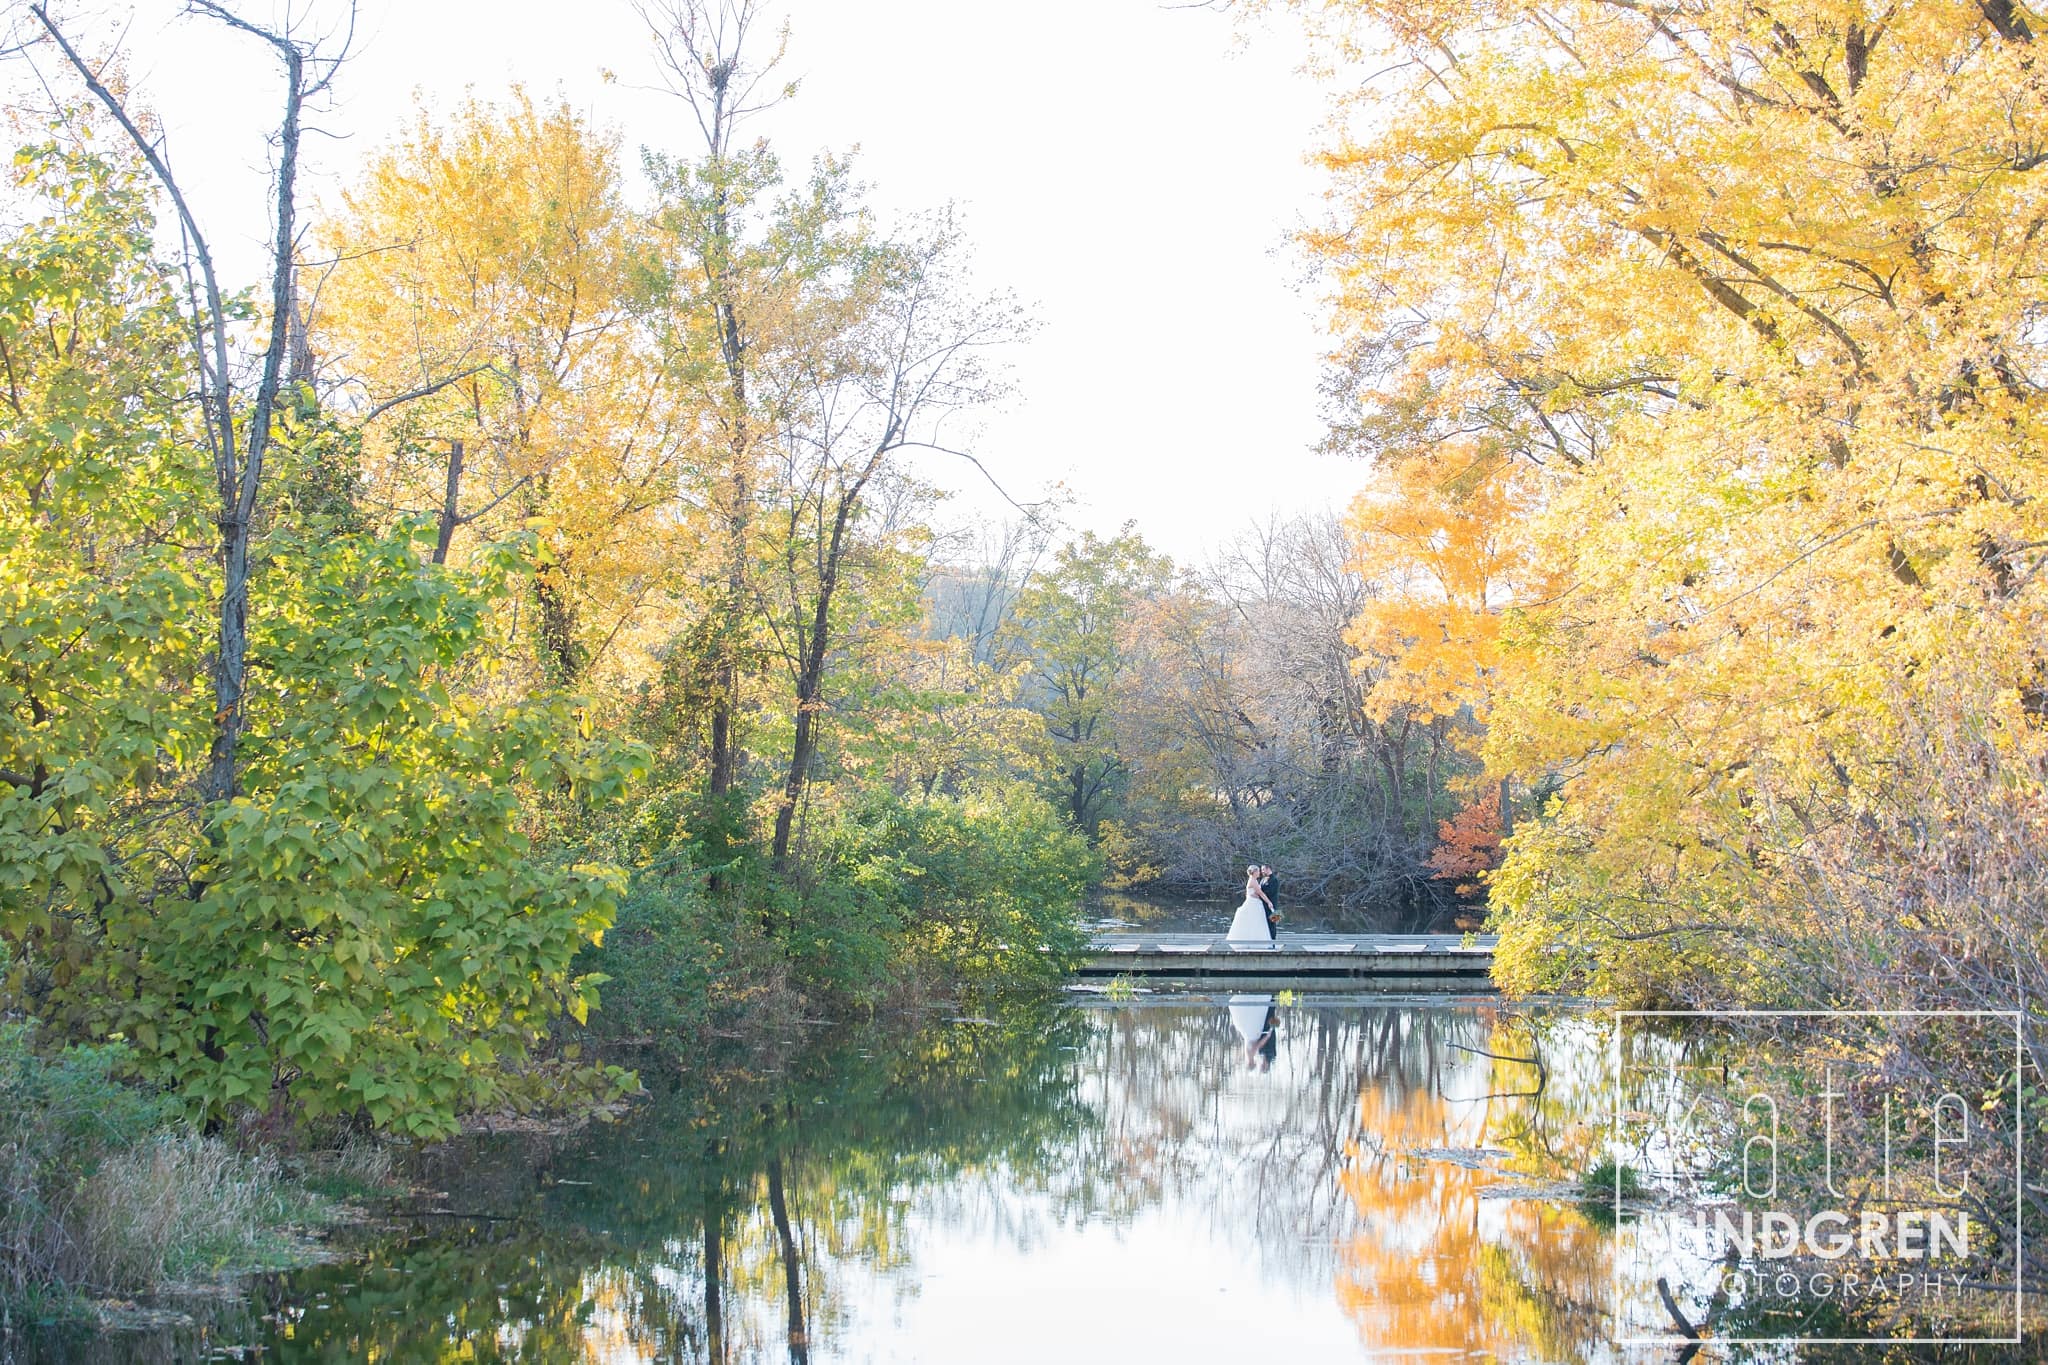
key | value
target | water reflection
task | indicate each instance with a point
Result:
(1257, 1020)
(1435, 1257)
(1195, 1180)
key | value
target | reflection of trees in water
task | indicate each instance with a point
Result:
(1430, 1261)
(660, 1239)
(817, 1172)
(1316, 1162)
(1280, 1158)
(1314, 1165)
(1185, 1121)
(682, 1244)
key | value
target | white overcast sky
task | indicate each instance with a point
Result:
(1131, 169)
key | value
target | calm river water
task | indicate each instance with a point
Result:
(1187, 1179)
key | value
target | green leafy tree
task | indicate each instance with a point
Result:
(365, 926)
(374, 928)
(102, 605)
(983, 888)
(1073, 623)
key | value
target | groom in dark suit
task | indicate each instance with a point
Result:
(1270, 880)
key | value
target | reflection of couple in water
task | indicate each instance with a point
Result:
(1259, 916)
(1257, 1021)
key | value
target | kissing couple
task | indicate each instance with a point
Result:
(1258, 918)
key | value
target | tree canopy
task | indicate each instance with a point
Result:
(1722, 322)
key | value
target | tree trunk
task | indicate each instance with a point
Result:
(238, 495)
(810, 686)
(451, 501)
(561, 658)
(732, 345)
(1393, 755)
(1436, 744)
(778, 1207)
(230, 659)
(237, 481)
(802, 751)
(724, 748)
(714, 1274)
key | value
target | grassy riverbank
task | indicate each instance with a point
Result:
(108, 1193)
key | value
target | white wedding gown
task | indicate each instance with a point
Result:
(1248, 1016)
(1249, 925)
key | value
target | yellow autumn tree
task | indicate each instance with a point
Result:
(476, 297)
(1751, 294)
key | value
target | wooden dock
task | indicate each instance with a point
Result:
(1400, 961)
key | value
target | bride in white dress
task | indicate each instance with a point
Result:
(1249, 925)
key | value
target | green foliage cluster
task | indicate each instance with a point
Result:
(101, 606)
(979, 888)
(898, 892)
(673, 963)
(1605, 1183)
(379, 833)
(367, 927)
(1074, 620)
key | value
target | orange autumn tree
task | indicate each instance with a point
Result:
(1442, 543)
(1468, 845)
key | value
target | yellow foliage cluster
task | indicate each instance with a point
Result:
(1443, 544)
(494, 249)
(1728, 317)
